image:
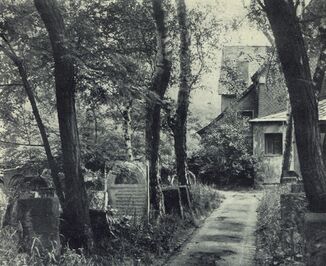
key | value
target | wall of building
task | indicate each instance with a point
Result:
(272, 94)
(271, 164)
(248, 102)
(226, 101)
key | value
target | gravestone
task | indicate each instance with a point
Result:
(39, 218)
(172, 201)
(128, 188)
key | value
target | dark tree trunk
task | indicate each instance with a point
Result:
(319, 74)
(295, 64)
(158, 88)
(180, 128)
(287, 147)
(76, 224)
(324, 150)
(19, 63)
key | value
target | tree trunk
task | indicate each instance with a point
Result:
(76, 224)
(319, 74)
(127, 128)
(180, 130)
(19, 63)
(287, 147)
(158, 88)
(295, 65)
(95, 124)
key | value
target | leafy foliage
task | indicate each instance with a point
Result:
(225, 155)
(273, 248)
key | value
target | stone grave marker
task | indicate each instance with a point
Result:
(128, 188)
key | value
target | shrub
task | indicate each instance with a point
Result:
(226, 153)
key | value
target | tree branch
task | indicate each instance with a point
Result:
(21, 144)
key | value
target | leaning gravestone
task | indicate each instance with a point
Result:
(128, 189)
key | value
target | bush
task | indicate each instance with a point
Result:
(226, 153)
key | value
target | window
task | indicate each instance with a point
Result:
(249, 114)
(273, 143)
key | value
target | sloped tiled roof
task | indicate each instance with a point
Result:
(282, 116)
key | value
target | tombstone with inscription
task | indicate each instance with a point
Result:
(128, 189)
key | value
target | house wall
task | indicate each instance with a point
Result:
(248, 102)
(271, 164)
(226, 101)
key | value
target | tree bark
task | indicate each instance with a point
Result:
(180, 128)
(319, 74)
(76, 224)
(287, 147)
(127, 128)
(19, 63)
(295, 65)
(158, 88)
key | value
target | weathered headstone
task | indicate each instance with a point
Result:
(127, 188)
(172, 201)
(39, 218)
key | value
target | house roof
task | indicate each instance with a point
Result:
(282, 116)
(244, 93)
(255, 79)
(232, 59)
(278, 117)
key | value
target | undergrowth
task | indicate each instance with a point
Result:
(204, 199)
(129, 242)
(269, 229)
(269, 238)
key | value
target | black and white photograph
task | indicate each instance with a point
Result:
(162, 132)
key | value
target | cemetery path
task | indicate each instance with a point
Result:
(227, 236)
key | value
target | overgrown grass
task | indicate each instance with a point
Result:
(129, 243)
(204, 199)
(270, 243)
(269, 228)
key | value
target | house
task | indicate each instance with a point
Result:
(265, 103)
(249, 92)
